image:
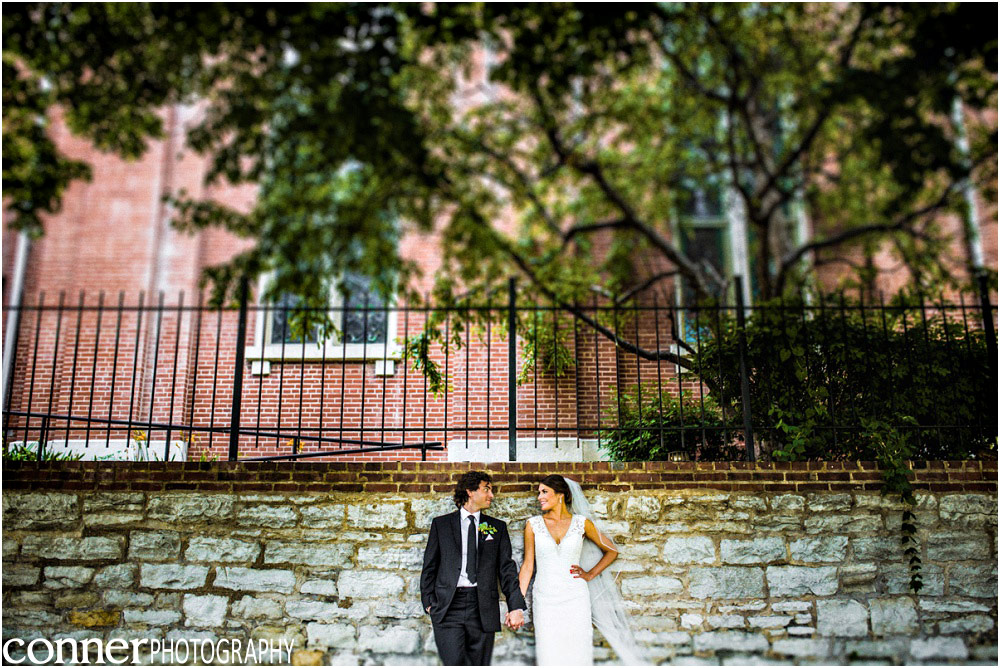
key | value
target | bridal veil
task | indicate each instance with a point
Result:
(606, 604)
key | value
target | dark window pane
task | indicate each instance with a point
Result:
(704, 244)
(365, 317)
(281, 313)
(701, 244)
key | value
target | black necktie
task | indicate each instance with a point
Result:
(470, 561)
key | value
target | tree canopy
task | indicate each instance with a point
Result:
(598, 131)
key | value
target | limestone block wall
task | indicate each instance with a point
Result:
(717, 566)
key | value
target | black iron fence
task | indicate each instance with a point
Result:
(643, 379)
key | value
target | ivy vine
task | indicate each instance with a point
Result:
(893, 450)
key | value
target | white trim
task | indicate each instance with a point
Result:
(313, 352)
(529, 449)
(332, 350)
(970, 213)
(14, 313)
(739, 243)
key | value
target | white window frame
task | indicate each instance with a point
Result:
(732, 221)
(332, 350)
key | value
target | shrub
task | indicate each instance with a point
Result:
(821, 377)
(26, 453)
(663, 423)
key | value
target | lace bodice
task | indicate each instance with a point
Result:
(552, 560)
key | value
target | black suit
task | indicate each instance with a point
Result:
(464, 624)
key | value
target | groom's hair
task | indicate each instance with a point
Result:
(469, 481)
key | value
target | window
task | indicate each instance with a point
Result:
(363, 317)
(704, 232)
(365, 325)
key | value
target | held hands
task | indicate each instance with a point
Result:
(578, 572)
(514, 620)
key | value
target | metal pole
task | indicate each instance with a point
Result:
(744, 379)
(991, 339)
(43, 436)
(512, 369)
(241, 338)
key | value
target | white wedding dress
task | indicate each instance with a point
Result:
(565, 609)
(564, 633)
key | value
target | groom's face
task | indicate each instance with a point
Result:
(482, 497)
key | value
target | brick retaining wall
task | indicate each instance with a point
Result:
(511, 477)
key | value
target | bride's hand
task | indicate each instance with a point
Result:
(578, 572)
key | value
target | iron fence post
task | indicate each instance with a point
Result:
(991, 339)
(512, 369)
(241, 338)
(43, 436)
(744, 379)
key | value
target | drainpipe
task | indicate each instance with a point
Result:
(14, 313)
(970, 213)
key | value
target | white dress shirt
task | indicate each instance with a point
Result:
(464, 533)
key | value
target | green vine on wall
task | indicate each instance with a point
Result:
(893, 450)
(546, 350)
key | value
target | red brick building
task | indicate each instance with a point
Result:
(104, 368)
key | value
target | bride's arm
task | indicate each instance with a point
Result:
(603, 542)
(528, 567)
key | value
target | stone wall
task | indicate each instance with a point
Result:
(717, 565)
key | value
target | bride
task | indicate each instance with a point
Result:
(571, 588)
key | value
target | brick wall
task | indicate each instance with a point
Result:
(511, 477)
(721, 563)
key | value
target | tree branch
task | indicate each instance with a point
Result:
(526, 187)
(629, 216)
(526, 268)
(625, 296)
(901, 224)
(651, 355)
(690, 76)
(587, 228)
(810, 135)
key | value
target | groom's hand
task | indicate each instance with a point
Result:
(515, 619)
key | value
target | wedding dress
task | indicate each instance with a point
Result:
(566, 609)
(564, 634)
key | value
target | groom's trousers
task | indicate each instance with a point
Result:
(460, 638)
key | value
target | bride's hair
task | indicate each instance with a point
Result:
(559, 486)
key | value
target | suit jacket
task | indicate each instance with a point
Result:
(443, 565)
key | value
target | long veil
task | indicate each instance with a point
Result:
(607, 608)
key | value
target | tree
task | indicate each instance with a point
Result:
(605, 125)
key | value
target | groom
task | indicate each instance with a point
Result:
(467, 553)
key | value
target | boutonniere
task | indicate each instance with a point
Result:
(487, 529)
